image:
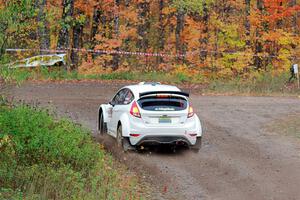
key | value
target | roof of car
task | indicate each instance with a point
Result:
(149, 87)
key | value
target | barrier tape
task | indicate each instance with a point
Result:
(100, 51)
(112, 52)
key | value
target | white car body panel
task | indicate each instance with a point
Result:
(147, 125)
(41, 60)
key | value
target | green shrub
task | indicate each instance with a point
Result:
(44, 158)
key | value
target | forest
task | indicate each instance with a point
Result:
(214, 38)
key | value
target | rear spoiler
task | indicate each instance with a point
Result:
(165, 92)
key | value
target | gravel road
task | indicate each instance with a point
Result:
(240, 159)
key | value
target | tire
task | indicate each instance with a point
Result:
(102, 126)
(195, 148)
(123, 141)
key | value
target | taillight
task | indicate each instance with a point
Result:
(134, 135)
(134, 110)
(191, 112)
(162, 95)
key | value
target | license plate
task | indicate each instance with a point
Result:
(164, 120)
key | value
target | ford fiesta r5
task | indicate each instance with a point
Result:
(150, 113)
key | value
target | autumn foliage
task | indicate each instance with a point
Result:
(215, 38)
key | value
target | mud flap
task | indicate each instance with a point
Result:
(195, 148)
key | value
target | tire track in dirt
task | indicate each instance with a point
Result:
(239, 159)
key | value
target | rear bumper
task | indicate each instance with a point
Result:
(139, 132)
(186, 133)
(155, 140)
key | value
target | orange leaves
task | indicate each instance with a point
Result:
(129, 15)
(108, 5)
(272, 36)
(113, 43)
(255, 18)
(85, 6)
(99, 37)
(127, 32)
(108, 44)
(191, 33)
(168, 10)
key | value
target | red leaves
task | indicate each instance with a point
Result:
(279, 9)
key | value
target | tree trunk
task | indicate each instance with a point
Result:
(258, 45)
(247, 22)
(294, 17)
(178, 31)
(143, 28)
(144, 25)
(161, 29)
(43, 31)
(77, 43)
(204, 40)
(116, 57)
(95, 24)
(64, 34)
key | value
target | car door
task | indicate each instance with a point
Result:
(117, 109)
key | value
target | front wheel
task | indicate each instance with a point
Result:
(123, 141)
(195, 148)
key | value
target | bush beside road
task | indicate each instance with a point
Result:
(46, 158)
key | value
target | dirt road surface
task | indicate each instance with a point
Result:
(240, 159)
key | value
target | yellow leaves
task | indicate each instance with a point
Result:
(168, 10)
(284, 57)
(287, 38)
(280, 37)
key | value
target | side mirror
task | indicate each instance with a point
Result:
(111, 103)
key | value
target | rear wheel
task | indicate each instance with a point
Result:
(123, 141)
(195, 148)
(102, 125)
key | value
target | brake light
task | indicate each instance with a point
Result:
(134, 135)
(191, 112)
(134, 110)
(162, 96)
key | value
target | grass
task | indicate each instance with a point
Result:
(46, 158)
(20, 75)
(138, 76)
(289, 126)
(263, 83)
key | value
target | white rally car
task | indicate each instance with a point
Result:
(150, 113)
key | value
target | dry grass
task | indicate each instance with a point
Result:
(289, 126)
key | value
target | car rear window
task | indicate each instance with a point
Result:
(163, 103)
